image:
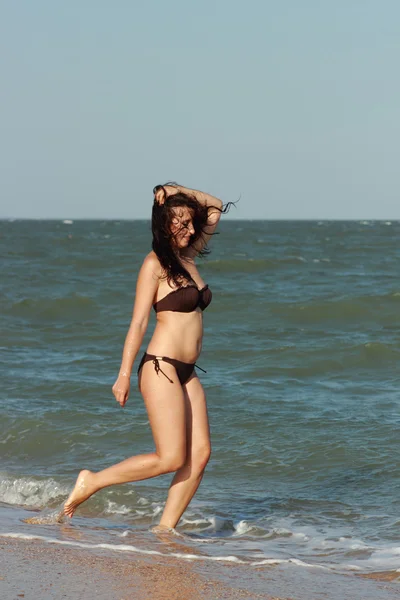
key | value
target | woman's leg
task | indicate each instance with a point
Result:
(165, 405)
(188, 477)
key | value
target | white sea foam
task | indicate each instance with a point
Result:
(157, 508)
(143, 501)
(268, 561)
(301, 563)
(317, 260)
(30, 492)
(300, 258)
(67, 222)
(381, 559)
(281, 531)
(216, 524)
(243, 527)
(148, 509)
(195, 521)
(122, 548)
(351, 568)
(117, 509)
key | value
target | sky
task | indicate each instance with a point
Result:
(291, 105)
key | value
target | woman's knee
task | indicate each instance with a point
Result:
(172, 462)
(201, 456)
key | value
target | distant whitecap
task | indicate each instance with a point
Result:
(67, 222)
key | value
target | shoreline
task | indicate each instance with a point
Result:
(34, 569)
(38, 569)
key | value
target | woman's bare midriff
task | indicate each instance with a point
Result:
(178, 335)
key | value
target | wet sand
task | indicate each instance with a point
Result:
(31, 570)
(34, 569)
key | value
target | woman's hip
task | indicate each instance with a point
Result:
(184, 370)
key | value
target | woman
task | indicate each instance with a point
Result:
(183, 221)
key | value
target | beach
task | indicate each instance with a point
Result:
(34, 569)
(300, 499)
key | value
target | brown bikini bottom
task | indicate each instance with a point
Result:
(183, 370)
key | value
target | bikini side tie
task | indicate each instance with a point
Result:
(157, 367)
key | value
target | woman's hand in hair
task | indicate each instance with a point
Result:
(162, 192)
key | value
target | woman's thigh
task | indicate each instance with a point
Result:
(165, 405)
(197, 423)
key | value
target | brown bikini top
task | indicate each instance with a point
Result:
(185, 299)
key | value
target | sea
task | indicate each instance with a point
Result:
(302, 353)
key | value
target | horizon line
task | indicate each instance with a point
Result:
(71, 220)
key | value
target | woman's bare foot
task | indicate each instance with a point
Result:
(84, 488)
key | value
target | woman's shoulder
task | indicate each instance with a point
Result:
(151, 262)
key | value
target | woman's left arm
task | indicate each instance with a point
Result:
(161, 192)
(203, 198)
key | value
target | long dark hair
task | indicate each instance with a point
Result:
(161, 219)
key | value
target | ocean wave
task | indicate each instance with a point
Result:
(74, 306)
(251, 265)
(36, 493)
(243, 528)
(312, 360)
(353, 308)
(31, 492)
(308, 362)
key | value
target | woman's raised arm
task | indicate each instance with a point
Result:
(215, 208)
